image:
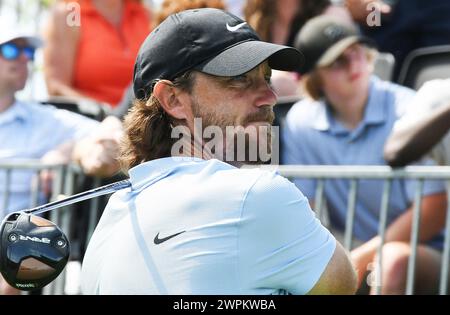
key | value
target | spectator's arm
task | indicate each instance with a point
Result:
(60, 155)
(360, 9)
(98, 153)
(432, 222)
(339, 12)
(60, 50)
(410, 142)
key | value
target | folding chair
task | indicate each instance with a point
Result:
(86, 108)
(425, 64)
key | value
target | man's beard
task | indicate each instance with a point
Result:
(247, 144)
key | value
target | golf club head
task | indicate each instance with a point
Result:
(33, 251)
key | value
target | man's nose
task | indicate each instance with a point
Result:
(266, 95)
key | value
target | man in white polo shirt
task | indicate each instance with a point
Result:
(191, 223)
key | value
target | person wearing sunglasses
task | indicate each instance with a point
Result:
(15, 52)
(29, 130)
(345, 120)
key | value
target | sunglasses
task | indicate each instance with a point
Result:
(11, 51)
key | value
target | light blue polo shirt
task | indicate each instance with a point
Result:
(205, 227)
(312, 136)
(28, 131)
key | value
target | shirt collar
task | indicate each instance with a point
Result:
(374, 112)
(147, 173)
(17, 111)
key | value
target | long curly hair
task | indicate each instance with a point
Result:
(148, 128)
(261, 14)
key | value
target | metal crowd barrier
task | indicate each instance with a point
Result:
(29, 168)
(65, 183)
(78, 233)
(387, 174)
(7, 167)
(64, 218)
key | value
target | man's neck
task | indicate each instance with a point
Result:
(196, 149)
(349, 110)
(6, 102)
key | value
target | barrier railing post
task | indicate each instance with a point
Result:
(93, 214)
(34, 193)
(318, 200)
(57, 183)
(6, 189)
(415, 230)
(351, 208)
(64, 219)
(381, 232)
(443, 285)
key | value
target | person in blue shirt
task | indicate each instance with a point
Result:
(29, 130)
(192, 222)
(345, 120)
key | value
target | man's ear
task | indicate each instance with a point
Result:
(171, 100)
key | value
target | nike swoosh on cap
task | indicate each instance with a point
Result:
(158, 240)
(236, 27)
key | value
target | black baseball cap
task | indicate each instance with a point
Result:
(324, 38)
(208, 40)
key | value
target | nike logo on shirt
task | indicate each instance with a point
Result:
(236, 27)
(158, 240)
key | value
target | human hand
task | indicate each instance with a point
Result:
(360, 9)
(97, 155)
(101, 157)
(360, 263)
(362, 256)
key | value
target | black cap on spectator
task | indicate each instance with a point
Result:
(324, 38)
(208, 40)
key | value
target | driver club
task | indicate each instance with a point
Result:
(33, 250)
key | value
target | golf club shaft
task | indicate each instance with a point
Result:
(89, 194)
